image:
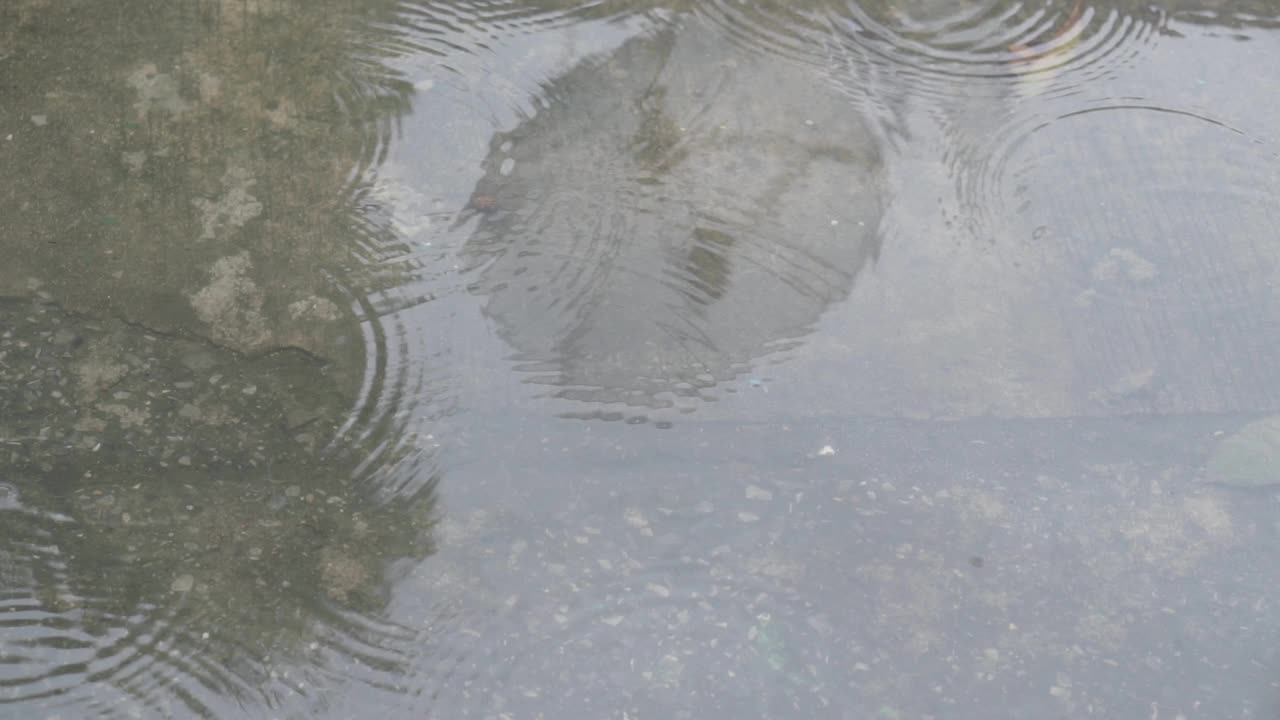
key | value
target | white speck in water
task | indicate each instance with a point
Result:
(827, 450)
(635, 518)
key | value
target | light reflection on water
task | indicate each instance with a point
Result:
(312, 314)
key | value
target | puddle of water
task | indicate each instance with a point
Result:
(176, 524)
(921, 568)
(683, 232)
(556, 359)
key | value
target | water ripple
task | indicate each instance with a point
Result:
(1166, 268)
(948, 49)
(111, 646)
(654, 228)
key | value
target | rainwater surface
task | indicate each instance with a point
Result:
(637, 359)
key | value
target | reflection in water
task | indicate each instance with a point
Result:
(1068, 271)
(175, 537)
(1168, 263)
(208, 473)
(188, 178)
(1139, 256)
(622, 273)
(985, 45)
(218, 495)
(660, 224)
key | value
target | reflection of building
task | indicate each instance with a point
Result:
(675, 211)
